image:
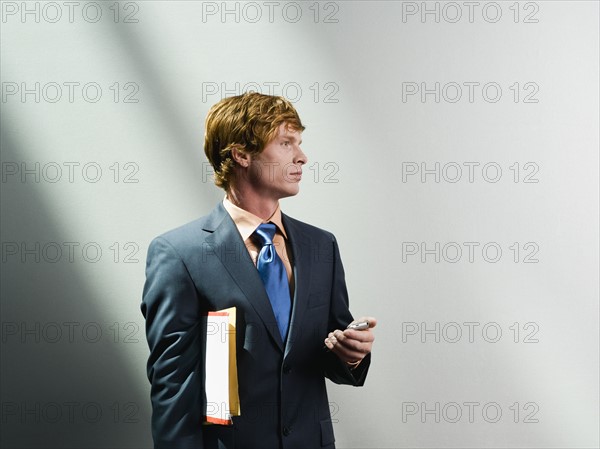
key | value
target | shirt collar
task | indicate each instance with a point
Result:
(246, 222)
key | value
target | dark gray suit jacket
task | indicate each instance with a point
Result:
(204, 266)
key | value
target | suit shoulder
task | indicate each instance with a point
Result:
(182, 231)
(308, 228)
(192, 233)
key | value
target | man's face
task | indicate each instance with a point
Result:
(276, 171)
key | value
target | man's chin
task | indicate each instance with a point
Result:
(291, 192)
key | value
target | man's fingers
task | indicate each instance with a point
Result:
(354, 337)
(347, 354)
(330, 341)
(351, 344)
(364, 336)
(362, 345)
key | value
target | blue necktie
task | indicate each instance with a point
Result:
(273, 274)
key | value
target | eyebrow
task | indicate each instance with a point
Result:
(290, 137)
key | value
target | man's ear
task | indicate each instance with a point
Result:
(240, 157)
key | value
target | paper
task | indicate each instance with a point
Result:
(221, 384)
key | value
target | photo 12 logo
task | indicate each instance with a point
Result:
(469, 92)
(69, 332)
(469, 252)
(470, 412)
(317, 172)
(470, 12)
(69, 172)
(14, 252)
(69, 412)
(270, 12)
(468, 332)
(69, 12)
(453, 172)
(318, 92)
(69, 92)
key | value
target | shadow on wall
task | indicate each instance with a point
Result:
(62, 385)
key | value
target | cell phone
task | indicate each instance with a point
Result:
(360, 326)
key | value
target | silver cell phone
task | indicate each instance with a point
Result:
(360, 326)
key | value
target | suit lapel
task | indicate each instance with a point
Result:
(227, 244)
(301, 250)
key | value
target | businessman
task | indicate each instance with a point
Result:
(285, 279)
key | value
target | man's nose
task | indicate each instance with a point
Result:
(301, 157)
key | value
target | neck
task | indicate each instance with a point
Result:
(258, 205)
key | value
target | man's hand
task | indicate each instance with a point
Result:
(350, 345)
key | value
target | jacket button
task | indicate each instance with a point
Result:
(286, 369)
(286, 431)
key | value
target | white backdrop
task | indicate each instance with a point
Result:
(453, 150)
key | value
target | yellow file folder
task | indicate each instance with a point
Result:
(221, 383)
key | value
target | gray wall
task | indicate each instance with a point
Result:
(454, 153)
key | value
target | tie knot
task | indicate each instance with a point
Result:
(265, 233)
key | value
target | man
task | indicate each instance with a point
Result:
(285, 279)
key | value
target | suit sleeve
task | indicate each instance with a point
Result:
(171, 308)
(339, 318)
